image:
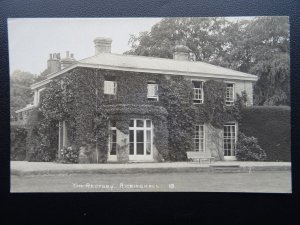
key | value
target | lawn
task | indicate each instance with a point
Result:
(260, 181)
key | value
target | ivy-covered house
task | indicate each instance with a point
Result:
(112, 107)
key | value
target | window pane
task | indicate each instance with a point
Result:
(131, 149)
(148, 148)
(201, 146)
(140, 148)
(148, 136)
(113, 150)
(140, 123)
(148, 123)
(109, 87)
(131, 136)
(140, 136)
(197, 84)
(114, 136)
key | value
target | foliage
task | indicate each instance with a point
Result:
(178, 92)
(202, 35)
(69, 155)
(272, 127)
(20, 93)
(259, 46)
(247, 149)
(78, 99)
(18, 143)
(41, 143)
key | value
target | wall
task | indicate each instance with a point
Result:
(246, 86)
(214, 141)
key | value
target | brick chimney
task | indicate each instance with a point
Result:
(68, 60)
(53, 63)
(181, 52)
(102, 45)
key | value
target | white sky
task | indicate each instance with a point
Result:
(31, 40)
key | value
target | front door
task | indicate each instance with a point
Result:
(140, 140)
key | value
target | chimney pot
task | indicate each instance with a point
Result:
(181, 52)
(50, 56)
(72, 55)
(102, 45)
(67, 54)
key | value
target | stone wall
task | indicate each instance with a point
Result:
(214, 141)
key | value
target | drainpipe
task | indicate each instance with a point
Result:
(97, 154)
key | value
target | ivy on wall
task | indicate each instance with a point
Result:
(78, 99)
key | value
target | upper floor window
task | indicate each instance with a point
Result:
(152, 93)
(229, 94)
(198, 92)
(110, 87)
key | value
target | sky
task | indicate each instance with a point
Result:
(31, 40)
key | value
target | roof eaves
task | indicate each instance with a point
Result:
(243, 76)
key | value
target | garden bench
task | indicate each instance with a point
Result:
(200, 156)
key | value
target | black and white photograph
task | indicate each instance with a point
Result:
(162, 104)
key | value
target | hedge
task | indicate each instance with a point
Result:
(271, 126)
(18, 137)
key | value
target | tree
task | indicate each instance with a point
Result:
(258, 46)
(20, 93)
(202, 35)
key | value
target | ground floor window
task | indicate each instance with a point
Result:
(199, 138)
(112, 138)
(62, 136)
(230, 136)
(140, 137)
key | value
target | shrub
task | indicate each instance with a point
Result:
(18, 137)
(69, 155)
(271, 126)
(247, 149)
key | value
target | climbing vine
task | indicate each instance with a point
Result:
(78, 99)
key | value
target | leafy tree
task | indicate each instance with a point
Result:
(259, 46)
(202, 35)
(20, 93)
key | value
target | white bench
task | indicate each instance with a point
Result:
(200, 156)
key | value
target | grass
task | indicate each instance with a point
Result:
(264, 181)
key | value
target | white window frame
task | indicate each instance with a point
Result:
(232, 138)
(144, 156)
(230, 101)
(155, 86)
(114, 91)
(199, 138)
(197, 92)
(110, 142)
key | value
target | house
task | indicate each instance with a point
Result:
(138, 144)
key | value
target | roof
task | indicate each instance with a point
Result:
(154, 65)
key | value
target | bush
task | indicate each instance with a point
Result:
(69, 155)
(247, 149)
(271, 126)
(18, 137)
